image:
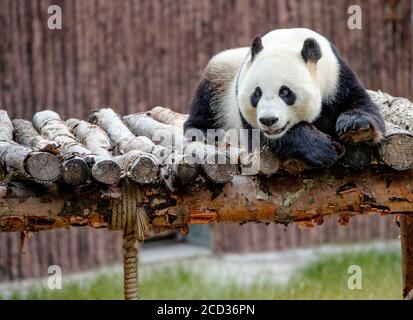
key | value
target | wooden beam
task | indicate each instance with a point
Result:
(279, 199)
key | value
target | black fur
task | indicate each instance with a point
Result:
(303, 141)
(256, 47)
(201, 115)
(311, 51)
(256, 97)
(290, 98)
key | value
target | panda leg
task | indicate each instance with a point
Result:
(358, 125)
(305, 142)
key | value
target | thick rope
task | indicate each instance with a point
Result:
(128, 215)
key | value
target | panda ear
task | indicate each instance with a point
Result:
(311, 51)
(256, 47)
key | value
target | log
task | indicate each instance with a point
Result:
(396, 110)
(137, 165)
(126, 141)
(46, 208)
(397, 149)
(215, 163)
(168, 116)
(26, 135)
(168, 136)
(93, 137)
(99, 144)
(119, 133)
(358, 155)
(171, 137)
(307, 197)
(6, 127)
(103, 169)
(42, 166)
(406, 235)
(75, 171)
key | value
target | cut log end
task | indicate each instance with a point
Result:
(75, 171)
(269, 163)
(187, 172)
(219, 172)
(397, 152)
(358, 155)
(144, 170)
(43, 166)
(184, 168)
(107, 171)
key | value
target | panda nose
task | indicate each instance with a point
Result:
(268, 121)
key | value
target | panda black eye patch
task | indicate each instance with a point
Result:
(287, 95)
(256, 96)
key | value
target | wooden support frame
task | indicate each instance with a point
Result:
(277, 199)
(306, 198)
(406, 236)
(288, 192)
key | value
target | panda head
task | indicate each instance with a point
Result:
(277, 88)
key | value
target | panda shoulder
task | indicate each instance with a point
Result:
(226, 63)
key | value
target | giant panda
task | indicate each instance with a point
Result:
(293, 85)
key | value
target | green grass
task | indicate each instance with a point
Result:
(324, 279)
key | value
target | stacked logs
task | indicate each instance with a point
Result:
(151, 148)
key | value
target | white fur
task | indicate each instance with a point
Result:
(279, 63)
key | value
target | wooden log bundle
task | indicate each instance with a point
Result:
(103, 168)
(171, 194)
(150, 148)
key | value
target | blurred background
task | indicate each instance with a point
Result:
(132, 55)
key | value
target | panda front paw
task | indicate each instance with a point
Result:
(358, 127)
(323, 153)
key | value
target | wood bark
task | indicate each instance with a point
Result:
(99, 144)
(358, 155)
(126, 141)
(397, 149)
(26, 135)
(6, 127)
(137, 165)
(406, 234)
(75, 171)
(119, 133)
(279, 199)
(180, 165)
(396, 110)
(42, 166)
(49, 124)
(168, 116)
